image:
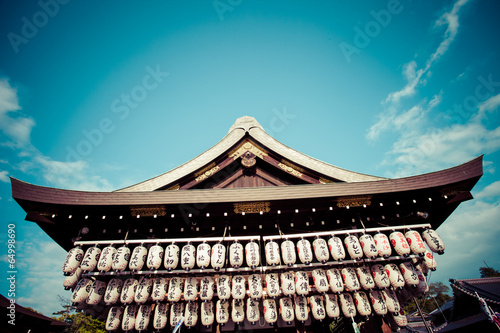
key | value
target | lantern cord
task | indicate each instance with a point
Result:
(360, 220)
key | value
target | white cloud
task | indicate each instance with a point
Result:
(491, 104)
(40, 279)
(432, 150)
(490, 191)
(71, 175)
(4, 176)
(415, 77)
(14, 125)
(470, 236)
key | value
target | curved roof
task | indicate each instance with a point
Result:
(242, 126)
(471, 170)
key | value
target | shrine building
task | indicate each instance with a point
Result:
(251, 235)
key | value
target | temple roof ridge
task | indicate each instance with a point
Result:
(248, 126)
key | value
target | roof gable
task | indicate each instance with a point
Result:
(248, 157)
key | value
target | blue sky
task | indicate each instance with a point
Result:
(99, 96)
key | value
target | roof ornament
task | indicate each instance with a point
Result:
(245, 123)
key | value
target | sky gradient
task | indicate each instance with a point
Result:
(100, 96)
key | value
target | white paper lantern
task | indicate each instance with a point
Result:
(347, 305)
(71, 280)
(238, 311)
(378, 302)
(238, 290)
(317, 307)
(114, 318)
(270, 311)
(353, 247)
(143, 290)
(176, 313)
(171, 259)
(122, 257)
(320, 280)
(301, 309)
(191, 315)
(255, 286)
(368, 245)
(336, 248)
(142, 319)
(332, 305)
(90, 259)
(206, 288)
(272, 284)
(429, 261)
(106, 260)
(399, 243)
(160, 318)
(416, 242)
(395, 277)
(96, 292)
(380, 276)
(400, 318)
(203, 255)
(335, 280)
(288, 253)
(138, 258)
(365, 277)
(188, 256)
(287, 283)
(190, 288)
(422, 286)
(174, 289)
(128, 322)
(362, 303)
(155, 257)
(409, 273)
(160, 289)
(391, 300)
(252, 254)
(222, 311)
(434, 242)
(301, 283)
(305, 251)
(383, 245)
(321, 250)
(207, 313)
(236, 254)
(81, 291)
(253, 312)
(420, 265)
(223, 287)
(272, 250)
(350, 279)
(128, 291)
(286, 309)
(113, 291)
(218, 256)
(73, 260)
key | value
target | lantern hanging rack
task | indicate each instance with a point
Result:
(344, 232)
(169, 240)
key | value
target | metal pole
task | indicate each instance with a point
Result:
(422, 316)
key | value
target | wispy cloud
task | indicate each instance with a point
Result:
(16, 129)
(4, 176)
(415, 76)
(16, 126)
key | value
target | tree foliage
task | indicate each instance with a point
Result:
(78, 322)
(436, 296)
(487, 272)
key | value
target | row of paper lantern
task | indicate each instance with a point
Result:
(290, 309)
(205, 255)
(288, 283)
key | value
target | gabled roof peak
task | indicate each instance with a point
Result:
(245, 123)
